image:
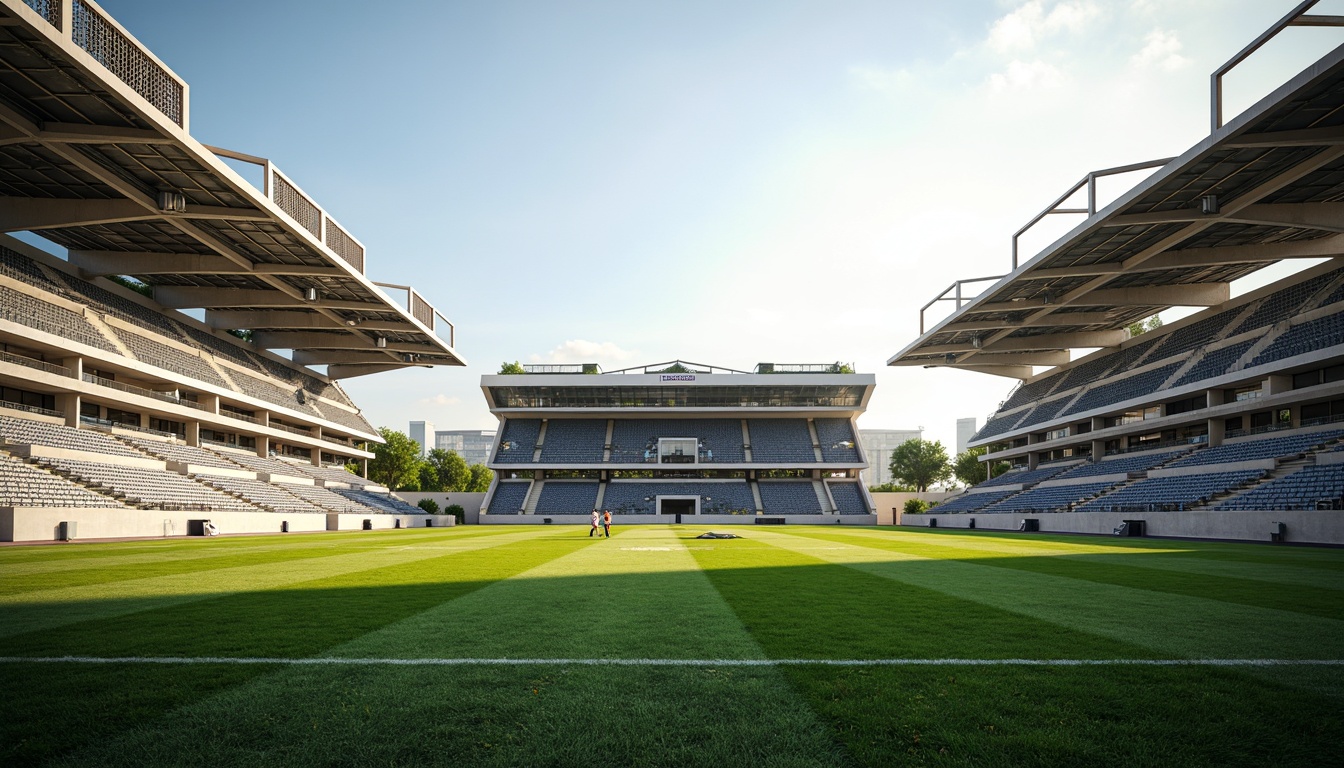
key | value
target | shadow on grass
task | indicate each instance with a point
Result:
(793, 606)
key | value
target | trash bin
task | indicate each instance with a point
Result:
(1277, 531)
(933, 522)
(368, 524)
(284, 526)
(971, 524)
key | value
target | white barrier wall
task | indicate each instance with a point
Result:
(619, 520)
(1304, 526)
(43, 524)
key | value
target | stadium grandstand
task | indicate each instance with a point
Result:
(678, 442)
(1225, 424)
(142, 389)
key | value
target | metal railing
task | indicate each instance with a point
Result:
(38, 365)
(1298, 17)
(955, 288)
(239, 416)
(47, 9)
(129, 61)
(31, 409)
(133, 390)
(1089, 181)
(293, 430)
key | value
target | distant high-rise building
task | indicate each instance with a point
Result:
(471, 444)
(422, 432)
(965, 431)
(877, 447)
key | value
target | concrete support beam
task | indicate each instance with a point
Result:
(193, 297)
(1020, 358)
(126, 263)
(1323, 216)
(1009, 371)
(350, 371)
(280, 319)
(343, 356)
(25, 213)
(1202, 295)
(1207, 257)
(1058, 340)
(1048, 321)
(1306, 137)
(314, 340)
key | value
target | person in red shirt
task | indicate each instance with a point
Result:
(606, 522)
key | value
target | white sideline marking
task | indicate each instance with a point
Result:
(466, 662)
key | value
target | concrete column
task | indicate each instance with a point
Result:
(194, 433)
(1098, 449)
(316, 455)
(76, 366)
(364, 468)
(1215, 397)
(209, 402)
(69, 403)
(1217, 431)
(1277, 384)
(263, 446)
(1033, 459)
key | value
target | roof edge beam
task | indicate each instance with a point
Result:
(1324, 216)
(1306, 137)
(1199, 295)
(194, 297)
(351, 339)
(25, 213)
(281, 319)
(145, 263)
(1069, 318)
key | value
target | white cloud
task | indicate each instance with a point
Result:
(581, 351)
(1026, 25)
(440, 399)
(1026, 75)
(1161, 50)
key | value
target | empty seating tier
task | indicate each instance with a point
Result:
(1139, 462)
(19, 267)
(1327, 331)
(1259, 448)
(780, 441)
(124, 309)
(1216, 362)
(1195, 335)
(1057, 498)
(272, 497)
(559, 497)
(1178, 492)
(1283, 304)
(345, 418)
(517, 441)
(791, 497)
(1138, 385)
(998, 425)
(630, 497)
(1304, 489)
(636, 440)
(269, 464)
(577, 441)
(382, 502)
(25, 432)
(173, 451)
(849, 499)
(324, 497)
(156, 488)
(1046, 411)
(1030, 393)
(334, 475)
(47, 317)
(24, 485)
(834, 434)
(509, 498)
(152, 352)
(972, 502)
(1023, 476)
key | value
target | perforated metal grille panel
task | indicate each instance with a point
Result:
(123, 58)
(345, 246)
(292, 202)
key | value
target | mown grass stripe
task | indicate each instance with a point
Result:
(1130, 571)
(1164, 623)
(54, 608)
(628, 662)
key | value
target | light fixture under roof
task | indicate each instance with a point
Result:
(380, 342)
(310, 294)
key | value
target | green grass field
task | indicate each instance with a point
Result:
(659, 630)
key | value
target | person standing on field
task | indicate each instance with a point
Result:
(606, 522)
(593, 530)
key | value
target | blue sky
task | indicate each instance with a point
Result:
(728, 183)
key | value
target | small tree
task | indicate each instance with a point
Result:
(891, 488)
(450, 469)
(396, 462)
(429, 478)
(513, 368)
(481, 476)
(429, 505)
(915, 506)
(1139, 327)
(970, 470)
(920, 463)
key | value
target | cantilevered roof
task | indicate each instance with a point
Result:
(96, 156)
(1265, 187)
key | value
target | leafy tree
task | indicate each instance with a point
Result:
(451, 470)
(241, 333)
(133, 284)
(429, 478)
(1139, 327)
(970, 470)
(675, 368)
(891, 488)
(920, 463)
(480, 478)
(915, 506)
(513, 368)
(839, 367)
(457, 512)
(429, 505)
(396, 462)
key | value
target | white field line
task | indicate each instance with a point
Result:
(469, 662)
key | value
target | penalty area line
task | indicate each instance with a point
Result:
(467, 662)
